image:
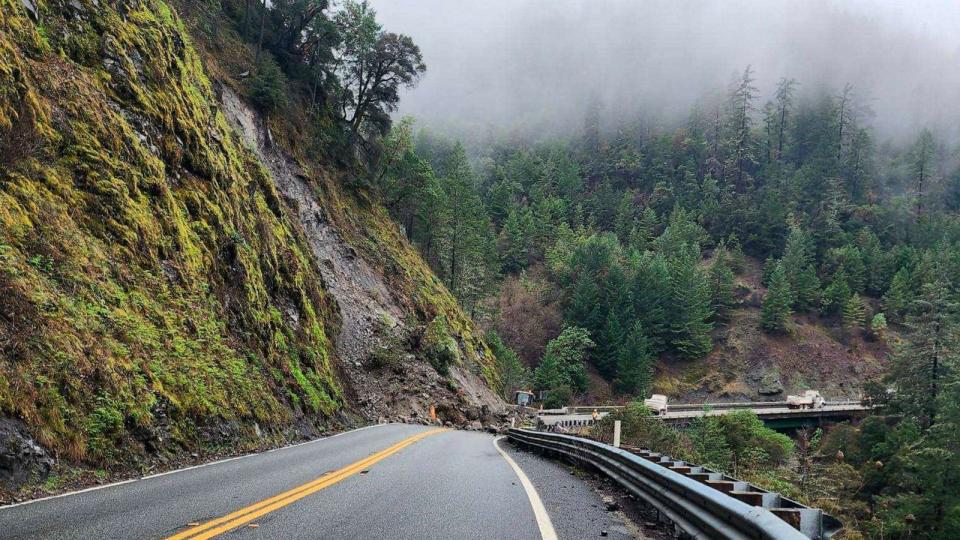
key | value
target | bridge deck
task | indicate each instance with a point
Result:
(686, 412)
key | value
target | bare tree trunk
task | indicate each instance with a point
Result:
(920, 190)
(783, 121)
(263, 21)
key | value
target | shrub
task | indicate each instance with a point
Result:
(268, 86)
(440, 348)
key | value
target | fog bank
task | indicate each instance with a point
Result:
(532, 66)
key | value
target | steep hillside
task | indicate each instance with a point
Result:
(749, 364)
(171, 283)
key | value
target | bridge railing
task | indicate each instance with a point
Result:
(755, 405)
(697, 509)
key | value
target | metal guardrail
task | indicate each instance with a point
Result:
(699, 510)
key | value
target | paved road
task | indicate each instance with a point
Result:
(389, 481)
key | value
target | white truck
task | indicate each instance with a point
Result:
(810, 399)
(657, 403)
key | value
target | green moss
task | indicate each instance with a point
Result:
(441, 349)
(142, 245)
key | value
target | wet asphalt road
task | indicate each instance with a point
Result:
(450, 484)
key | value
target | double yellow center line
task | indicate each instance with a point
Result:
(247, 514)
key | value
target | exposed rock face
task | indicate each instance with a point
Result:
(21, 458)
(376, 331)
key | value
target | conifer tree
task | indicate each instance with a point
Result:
(584, 309)
(928, 355)
(776, 303)
(739, 141)
(721, 283)
(651, 296)
(878, 325)
(853, 313)
(690, 313)
(836, 294)
(513, 243)
(769, 265)
(645, 232)
(635, 363)
(610, 342)
(898, 297)
(798, 263)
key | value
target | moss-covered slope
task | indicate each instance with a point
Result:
(162, 289)
(152, 289)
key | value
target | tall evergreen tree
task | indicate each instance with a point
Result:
(929, 354)
(798, 263)
(721, 283)
(740, 144)
(635, 363)
(853, 314)
(836, 294)
(921, 168)
(585, 307)
(776, 303)
(898, 297)
(690, 314)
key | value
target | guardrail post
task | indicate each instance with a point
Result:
(616, 434)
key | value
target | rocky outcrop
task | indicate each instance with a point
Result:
(21, 458)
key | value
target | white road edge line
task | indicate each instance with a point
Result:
(547, 531)
(130, 480)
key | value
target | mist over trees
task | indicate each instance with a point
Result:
(530, 68)
(633, 238)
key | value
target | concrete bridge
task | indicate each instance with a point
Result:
(775, 414)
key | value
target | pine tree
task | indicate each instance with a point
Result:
(651, 296)
(776, 303)
(898, 297)
(739, 142)
(836, 294)
(513, 243)
(690, 305)
(878, 325)
(467, 249)
(769, 265)
(921, 158)
(611, 340)
(645, 232)
(584, 310)
(798, 263)
(721, 283)
(928, 355)
(635, 363)
(853, 313)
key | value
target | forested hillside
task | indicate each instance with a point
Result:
(769, 220)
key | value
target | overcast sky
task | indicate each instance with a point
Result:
(533, 64)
